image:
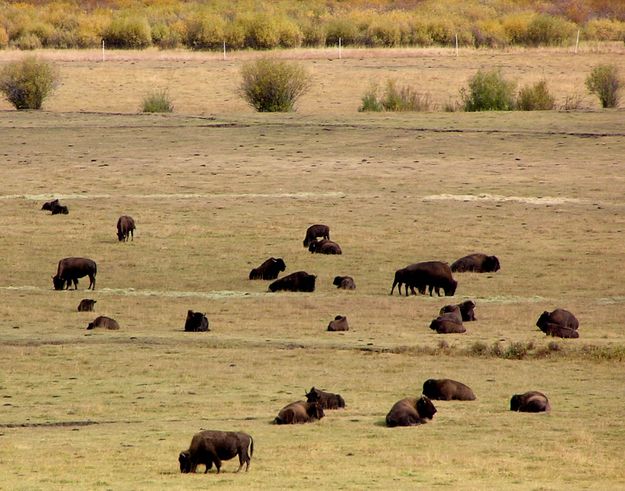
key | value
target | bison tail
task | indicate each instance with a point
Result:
(251, 447)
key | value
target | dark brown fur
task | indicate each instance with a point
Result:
(344, 282)
(104, 322)
(212, 447)
(476, 263)
(196, 322)
(72, 268)
(558, 323)
(448, 324)
(86, 305)
(339, 324)
(447, 390)
(530, 402)
(432, 274)
(299, 412)
(268, 270)
(411, 412)
(324, 246)
(328, 400)
(125, 228)
(315, 231)
(466, 310)
(300, 281)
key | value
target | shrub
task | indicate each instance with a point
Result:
(273, 85)
(27, 41)
(370, 101)
(547, 29)
(314, 34)
(403, 98)
(342, 28)
(572, 102)
(205, 32)
(165, 36)
(128, 33)
(27, 82)
(4, 38)
(261, 32)
(488, 91)
(535, 98)
(605, 83)
(604, 30)
(157, 102)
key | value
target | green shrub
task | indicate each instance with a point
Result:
(289, 33)
(535, 98)
(27, 82)
(205, 32)
(548, 30)
(261, 32)
(26, 42)
(128, 33)
(604, 30)
(165, 37)
(314, 34)
(370, 101)
(397, 99)
(157, 102)
(344, 29)
(488, 91)
(604, 82)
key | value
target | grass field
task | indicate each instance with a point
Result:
(215, 189)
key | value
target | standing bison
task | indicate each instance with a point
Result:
(328, 400)
(211, 447)
(324, 246)
(466, 310)
(559, 323)
(72, 268)
(344, 282)
(447, 390)
(268, 270)
(530, 402)
(104, 322)
(196, 322)
(315, 231)
(432, 274)
(411, 412)
(476, 263)
(125, 228)
(300, 281)
(299, 412)
(339, 324)
(86, 305)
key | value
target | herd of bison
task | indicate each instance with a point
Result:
(212, 447)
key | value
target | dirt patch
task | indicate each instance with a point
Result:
(161, 196)
(532, 200)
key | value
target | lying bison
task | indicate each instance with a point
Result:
(300, 281)
(299, 412)
(315, 231)
(432, 274)
(125, 228)
(476, 263)
(530, 402)
(211, 447)
(411, 412)
(327, 400)
(86, 305)
(72, 268)
(268, 270)
(48, 205)
(104, 322)
(449, 323)
(196, 322)
(559, 323)
(344, 282)
(324, 246)
(339, 324)
(445, 389)
(466, 310)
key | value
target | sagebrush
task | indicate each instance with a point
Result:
(604, 81)
(26, 83)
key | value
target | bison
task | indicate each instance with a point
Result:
(86, 305)
(125, 228)
(268, 270)
(466, 310)
(211, 447)
(328, 400)
(411, 412)
(104, 322)
(72, 268)
(299, 412)
(55, 207)
(447, 390)
(476, 263)
(448, 323)
(344, 282)
(338, 324)
(300, 281)
(324, 246)
(530, 402)
(196, 322)
(315, 231)
(432, 274)
(559, 323)
(48, 205)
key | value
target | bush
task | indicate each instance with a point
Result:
(26, 83)
(128, 33)
(370, 101)
(27, 41)
(157, 102)
(548, 30)
(488, 91)
(273, 85)
(535, 98)
(403, 98)
(261, 32)
(4, 38)
(205, 32)
(605, 83)
(604, 30)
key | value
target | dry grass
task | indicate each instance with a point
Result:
(213, 197)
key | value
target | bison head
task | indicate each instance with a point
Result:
(185, 462)
(543, 321)
(450, 289)
(120, 235)
(491, 263)
(515, 402)
(313, 395)
(280, 264)
(425, 408)
(314, 410)
(59, 283)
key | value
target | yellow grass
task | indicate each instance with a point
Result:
(215, 189)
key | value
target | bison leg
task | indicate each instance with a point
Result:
(218, 464)
(91, 282)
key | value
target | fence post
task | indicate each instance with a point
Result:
(340, 45)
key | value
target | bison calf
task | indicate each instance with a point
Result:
(212, 447)
(338, 324)
(411, 412)
(196, 322)
(344, 282)
(530, 402)
(86, 305)
(299, 412)
(300, 281)
(324, 246)
(268, 270)
(328, 400)
(104, 322)
(447, 390)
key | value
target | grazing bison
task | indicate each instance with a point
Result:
(268, 270)
(445, 389)
(530, 402)
(324, 246)
(476, 263)
(299, 412)
(411, 412)
(432, 274)
(344, 282)
(338, 324)
(211, 447)
(559, 323)
(86, 305)
(104, 322)
(196, 322)
(328, 400)
(300, 281)
(315, 231)
(125, 228)
(466, 310)
(72, 268)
